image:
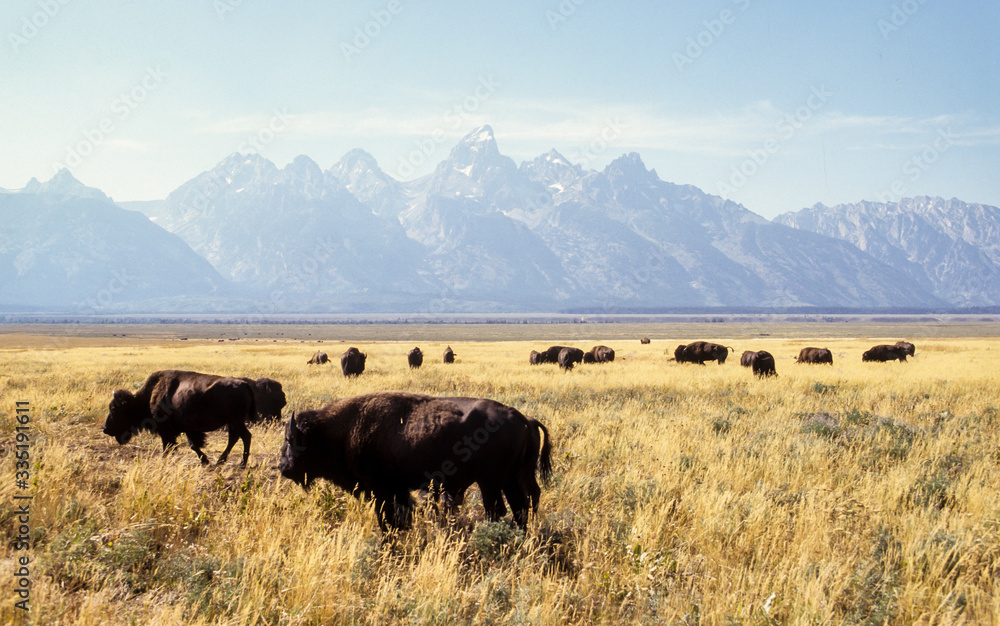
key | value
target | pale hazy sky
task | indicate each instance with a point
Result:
(776, 105)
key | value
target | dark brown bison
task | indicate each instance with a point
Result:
(386, 444)
(814, 355)
(644, 340)
(268, 397)
(599, 354)
(415, 358)
(173, 402)
(907, 347)
(318, 359)
(449, 355)
(761, 362)
(352, 362)
(550, 354)
(884, 353)
(701, 351)
(568, 357)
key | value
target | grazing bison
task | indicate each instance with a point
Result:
(352, 362)
(415, 358)
(173, 402)
(644, 340)
(761, 362)
(701, 351)
(551, 354)
(449, 355)
(568, 357)
(814, 355)
(268, 397)
(383, 445)
(599, 354)
(907, 347)
(318, 359)
(536, 357)
(884, 353)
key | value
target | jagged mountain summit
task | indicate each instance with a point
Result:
(949, 247)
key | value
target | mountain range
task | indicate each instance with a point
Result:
(480, 233)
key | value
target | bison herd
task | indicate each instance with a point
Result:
(381, 446)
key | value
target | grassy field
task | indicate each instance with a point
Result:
(858, 493)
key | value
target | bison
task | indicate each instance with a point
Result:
(268, 397)
(884, 353)
(568, 357)
(318, 359)
(550, 354)
(352, 362)
(536, 357)
(415, 358)
(814, 355)
(701, 351)
(907, 347)
(599, 354)
(384, 445)
(644, 340)
(449, 355)
(760, 362)
(174, 402)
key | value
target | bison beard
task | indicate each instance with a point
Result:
(172, 402)
(384, 445)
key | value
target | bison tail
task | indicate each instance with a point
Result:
(545, 458)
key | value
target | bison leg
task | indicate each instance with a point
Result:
(493, 502)
(518, 500)
(237, 432)
(197, 442)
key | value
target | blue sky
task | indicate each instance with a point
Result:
(776, 105)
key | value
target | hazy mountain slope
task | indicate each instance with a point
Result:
(949, 247)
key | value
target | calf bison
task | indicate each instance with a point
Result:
(415, 358)
(760, 362)
(352, 362)
(384, 445)
(174, 402)
(907, 347)
(599, 354)
(318, 359)
(884, 353)
(449, 355)
(701, 351)
(568, 357)
(268, 397)
(814, 355)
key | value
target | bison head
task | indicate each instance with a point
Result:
(125, 416)
(294, 462)
(269, 397)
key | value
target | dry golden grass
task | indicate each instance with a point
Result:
(858, 493)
